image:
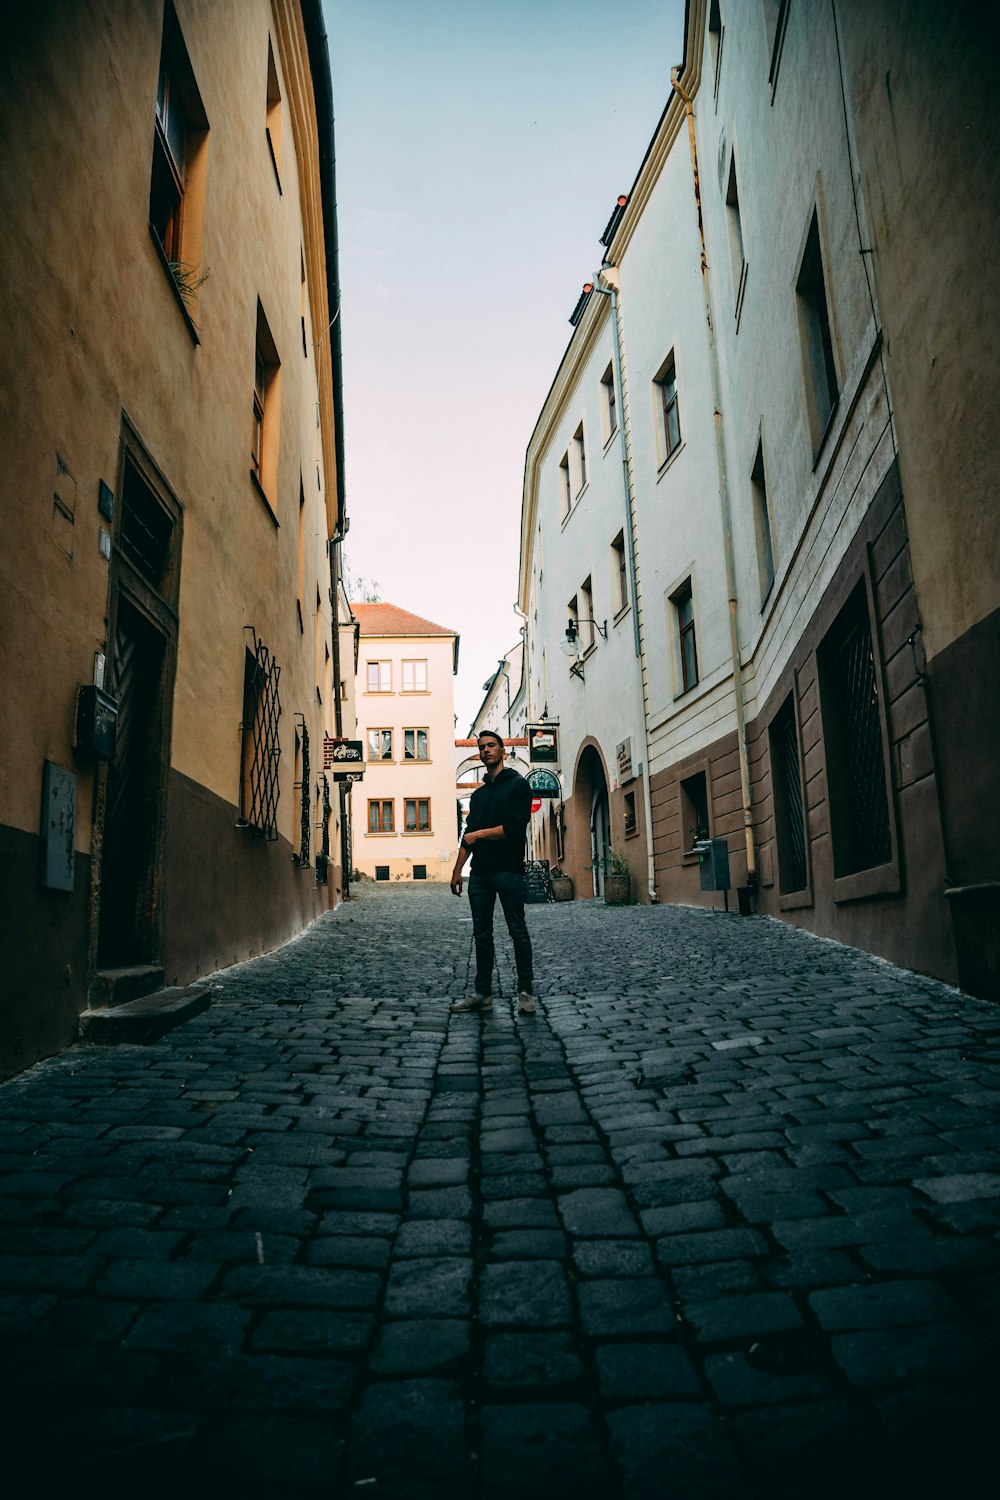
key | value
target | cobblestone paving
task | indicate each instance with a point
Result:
(720, 1219)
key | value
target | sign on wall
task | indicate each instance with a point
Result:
(543, 743)
(342, 752)
(543, 783)
(623, 753)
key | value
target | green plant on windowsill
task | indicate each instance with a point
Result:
(611, 864)
(188, 280)
(698, 832)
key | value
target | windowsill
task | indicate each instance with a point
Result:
(625, 609)
(883, 880)
(262, 496)
(415, 762)
(766, 596)
(795, 900)
(588, 651)
(380, 762)
(418, 833)
(611, 438)
(684, 691)
(690, 857)
(390, 835)
(572, 509)
(414, 692)
(668, 461)
(274, 159)
(631, 833)
(164, 262)
(377, 693)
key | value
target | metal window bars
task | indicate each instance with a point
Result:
(304, 789)
(323, 854)
(854, 665)
(261, 747)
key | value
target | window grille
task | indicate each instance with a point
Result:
(323, 792)
(261, 748)
(146, 529)
(304, 789)
(381, 872)
(787, 783)
(420, 872)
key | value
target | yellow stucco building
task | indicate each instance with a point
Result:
(405, 811)
(173, 464)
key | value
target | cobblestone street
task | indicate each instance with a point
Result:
(718, 1220)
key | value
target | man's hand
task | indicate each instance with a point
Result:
(456, 882)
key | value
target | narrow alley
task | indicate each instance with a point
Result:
(720, 1219)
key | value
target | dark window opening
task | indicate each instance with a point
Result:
(786, 785)
(817, 342)
(694, 810)
(852, 731)
(260, 746)
(420, 872)
(630, 824)
(762, 524)
(688, 646)
(381, 872)
(146, 530)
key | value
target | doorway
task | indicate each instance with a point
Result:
(600, 834)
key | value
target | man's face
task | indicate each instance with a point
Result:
(491, 752)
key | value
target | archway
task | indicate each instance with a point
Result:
(591, 817)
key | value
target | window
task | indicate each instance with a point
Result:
(630, 824)
(580, 455)
(260, 747)
(177, 176)
(619, 572)
(688, 651)
(381, 872)
(817, 343)
(380, 744)
(716, 35)
(379, 676)
(610, 405)
(420, 872)
(300, 564)
(272, 127)
(775, 19)
(786, 785)
(573, 614)
(670, 416)
(414, 676)
(303, 303)
(737, 253)
(266, 393)
(762, 524)
(304, 788)
(415, 744)
(587, 635)
(852, 732)
(418, 815)
(565, 485)
(694, 810)
(380, 815)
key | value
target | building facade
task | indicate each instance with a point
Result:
(405, 814)
(174, 465)
(794, 548)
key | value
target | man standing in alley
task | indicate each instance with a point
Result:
(495, 833)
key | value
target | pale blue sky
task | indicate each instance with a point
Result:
(480, 150)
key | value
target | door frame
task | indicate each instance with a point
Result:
(158, 604)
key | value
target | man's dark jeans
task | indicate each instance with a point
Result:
(483, 891)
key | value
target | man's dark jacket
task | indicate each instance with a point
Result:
(503, 802)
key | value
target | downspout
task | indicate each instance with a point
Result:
(724, 507)
(322, 81)
(610, 275)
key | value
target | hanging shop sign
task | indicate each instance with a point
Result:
(349, 775)
(543, 743)
(339, 752)
(543, 783)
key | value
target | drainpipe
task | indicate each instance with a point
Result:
(610, 275)
(727, 528)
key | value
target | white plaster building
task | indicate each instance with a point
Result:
(405, 817)
(763, 662)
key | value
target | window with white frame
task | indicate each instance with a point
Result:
(668, 405)
(580, 457)
(619, 571)
(379, 676)
(737, 250)
(819, 367)
(380, 744)
(565, 486)
(762, 523)
(687, 647)
(586, 614)
(609, 403)
(415, 676)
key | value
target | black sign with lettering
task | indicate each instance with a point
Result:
(537, 881)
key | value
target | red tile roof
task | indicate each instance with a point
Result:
(389, 619)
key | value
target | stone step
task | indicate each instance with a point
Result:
(118, 986)
(145, 1019)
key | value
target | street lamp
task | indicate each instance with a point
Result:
(571, 641)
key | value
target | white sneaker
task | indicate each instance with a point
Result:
(525, 1002)
(474, 1002)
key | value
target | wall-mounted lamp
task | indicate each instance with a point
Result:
(571, 641)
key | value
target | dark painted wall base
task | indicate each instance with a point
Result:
(43, 948)
(228, 896)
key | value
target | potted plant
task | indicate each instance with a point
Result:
(562, 885)
(617, 878)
